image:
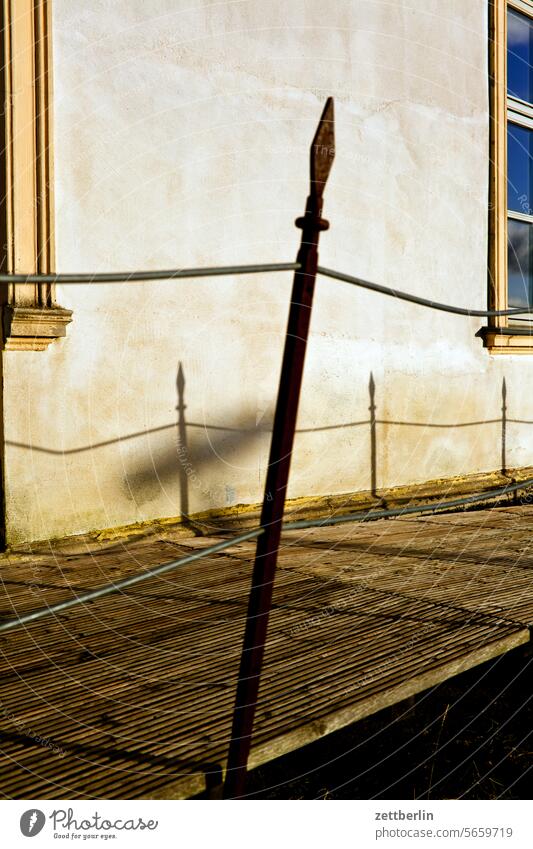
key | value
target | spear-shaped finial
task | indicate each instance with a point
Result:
(323, 149)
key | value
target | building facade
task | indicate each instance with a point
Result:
(175, 134)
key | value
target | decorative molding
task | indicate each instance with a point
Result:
(27, 219)
(502, 340)
(33, 328)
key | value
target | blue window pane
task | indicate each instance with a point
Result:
(519, 55)
(520, 169)
(520, 260)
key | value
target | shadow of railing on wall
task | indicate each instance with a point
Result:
(186, 463)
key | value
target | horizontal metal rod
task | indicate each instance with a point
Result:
(371, 516)
(141, 276)
(415, 299)
(128, 582)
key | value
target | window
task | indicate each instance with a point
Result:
(519, 161)
(511, 208)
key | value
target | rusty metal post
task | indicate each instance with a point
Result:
(260, 599)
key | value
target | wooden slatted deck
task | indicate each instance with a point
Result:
(131, 696)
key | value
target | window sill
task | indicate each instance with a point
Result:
(507, 340)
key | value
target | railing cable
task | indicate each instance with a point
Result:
(142, 276)
(223, 270)
(415, 299)
(373, 515)
(100, 592)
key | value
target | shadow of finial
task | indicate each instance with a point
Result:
(180, 385)
(373, 444)
(504, 428)
(182, 446)
(372, 390)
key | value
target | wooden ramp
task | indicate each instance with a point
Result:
(131, 696)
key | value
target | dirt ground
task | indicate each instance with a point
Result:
(469, 738)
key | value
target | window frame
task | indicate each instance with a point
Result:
(501, 335)
(31, 319)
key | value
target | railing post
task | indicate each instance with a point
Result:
(260, 599)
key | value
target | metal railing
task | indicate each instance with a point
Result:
(268, 533)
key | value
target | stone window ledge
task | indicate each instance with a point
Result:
(33, 328)
(507, 340)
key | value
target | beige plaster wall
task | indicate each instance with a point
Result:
(181, 138)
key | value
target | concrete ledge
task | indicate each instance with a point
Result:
(247, 515)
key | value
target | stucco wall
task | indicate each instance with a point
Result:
(182, 131)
